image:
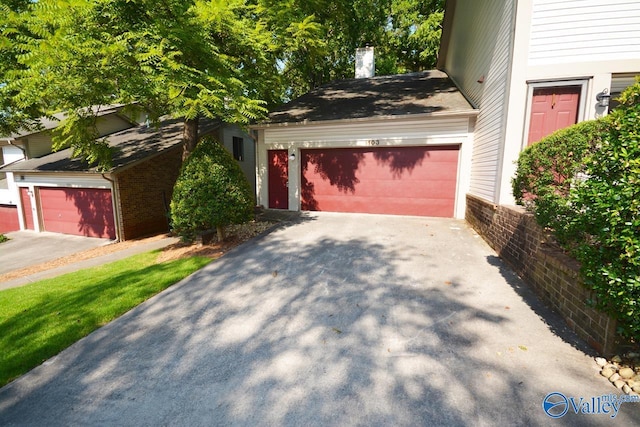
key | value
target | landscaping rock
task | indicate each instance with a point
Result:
(636, 388)
(615, 377)
(619, 383)
(626, 373)
(607, 372)
(626, 389)
(601, 361)
(616, 359)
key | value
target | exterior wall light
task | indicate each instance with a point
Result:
(603, 98)
(292, 156)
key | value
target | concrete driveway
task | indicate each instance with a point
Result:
(335, 320)
(27, 248)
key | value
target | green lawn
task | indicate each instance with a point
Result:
(39, 320)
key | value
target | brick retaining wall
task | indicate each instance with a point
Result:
(514, 234)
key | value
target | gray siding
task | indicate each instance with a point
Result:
(248, 163)
(622, 81)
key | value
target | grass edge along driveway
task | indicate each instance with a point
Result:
(39, 320)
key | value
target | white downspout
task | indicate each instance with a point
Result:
(116, 206)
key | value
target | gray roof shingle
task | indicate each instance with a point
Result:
(47, 123)
(129, 146)
(402, 94)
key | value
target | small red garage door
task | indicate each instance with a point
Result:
(79, 211)
(8, 218)
(398, 181)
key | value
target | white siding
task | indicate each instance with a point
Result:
(584, 31)
(79, 180)
(11, 154)
(441, 130)
(479, 49)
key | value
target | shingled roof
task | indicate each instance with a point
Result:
(402, 94)
(130, 146)
(46, 123)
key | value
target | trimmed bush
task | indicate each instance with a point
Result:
(211, 192)
(583, 183)
(548, 169)
(607, 219)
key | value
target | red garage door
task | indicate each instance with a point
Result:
(8, 218)
(399, 181)
(79, 211)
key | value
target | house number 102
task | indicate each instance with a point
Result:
(373, 142)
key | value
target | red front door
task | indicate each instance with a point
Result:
(278, 179)
(27, 208)
(552, 108)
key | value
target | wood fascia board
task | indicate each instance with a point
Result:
(407, 117)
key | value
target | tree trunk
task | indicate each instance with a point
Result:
(220, 230)
(190, 137)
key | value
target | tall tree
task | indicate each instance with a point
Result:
(413, 35)
(228, 59)
(187, 58)
(405, 34)
(12, 27)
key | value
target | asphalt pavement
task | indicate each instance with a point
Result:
(26, 248)
(332, 320)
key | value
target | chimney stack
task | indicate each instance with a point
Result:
(365, 62)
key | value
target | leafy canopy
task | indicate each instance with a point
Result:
(187, 58)
(222, 59)
(322, 37)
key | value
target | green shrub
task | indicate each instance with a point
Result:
(3, 238)
(607, 219)
(584, 184)
(211, 192)
(548, 169)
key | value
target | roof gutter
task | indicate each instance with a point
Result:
(464, 113)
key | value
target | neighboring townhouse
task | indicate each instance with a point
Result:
(32, 144)
(58, 193)
(532, 67)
